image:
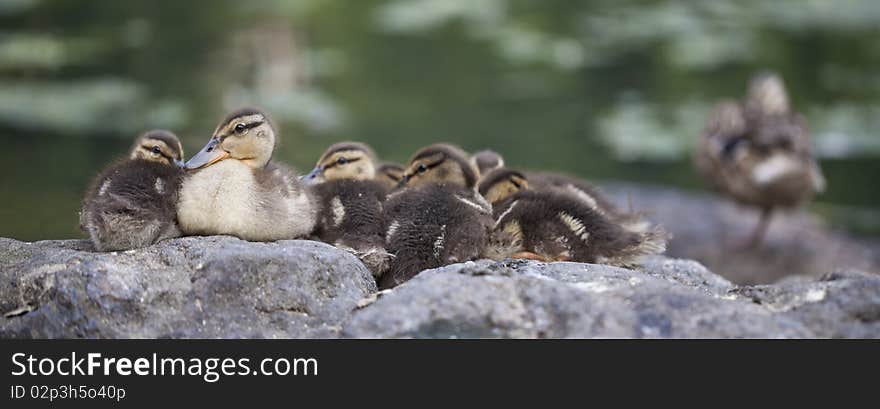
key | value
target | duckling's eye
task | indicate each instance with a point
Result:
(422, 168)
(240, 128)
(156, 150)
(341, 161)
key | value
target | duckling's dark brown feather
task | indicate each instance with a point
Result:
(788, 133)
(487, 160)
(559, 226)
(277, 178)
(431, 226)
(351, 216)
(561, 183)
(131, 204)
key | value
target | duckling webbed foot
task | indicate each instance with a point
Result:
(530, 256)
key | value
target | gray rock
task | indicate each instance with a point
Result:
(205, 287)
(671, 299)
(838, 305)
(183, 288)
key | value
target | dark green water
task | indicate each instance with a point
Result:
(602, 89)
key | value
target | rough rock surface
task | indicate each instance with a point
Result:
(225, 287)
(183, 288)
(666, 298)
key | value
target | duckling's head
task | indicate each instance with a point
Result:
(767, 95)
(389, 174)
(246, 135)
(486, 161)
(160, 146)
(440, 163)
(501, 183)
(344, 160)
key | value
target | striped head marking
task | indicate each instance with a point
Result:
(501, 184)
(344, 160)
(440, 163)
(389, 175)
(158, 146)
(246, 135)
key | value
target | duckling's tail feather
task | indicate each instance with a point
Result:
(650, 242)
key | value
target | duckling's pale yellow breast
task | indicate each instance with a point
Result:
(215, 197)
(229, 198)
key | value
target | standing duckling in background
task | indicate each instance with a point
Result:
(237, 190)
(351, 203)
(389, 175)
(486, 161)
(131, 204)
(759, 153)
(437, 218)
(555, 226)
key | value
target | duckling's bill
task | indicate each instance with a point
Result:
(314, 177)
(210, 154)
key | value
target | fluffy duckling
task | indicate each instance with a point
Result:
(236, 189)
(437, 218)
(588, 193)
(759, 153)
(389, 175)
(350, 201)
(131, 204)
(487, 160)
(557, 226)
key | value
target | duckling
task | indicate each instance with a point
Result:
(350, 215)
(236, 189)
(487, 160)
(588, 193)
(759, 153)
(557, 226)
(389, 175)
(130, 204)
(437, 218)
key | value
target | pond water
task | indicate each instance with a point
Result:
(602, 89)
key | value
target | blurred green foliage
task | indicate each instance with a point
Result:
(599, 88)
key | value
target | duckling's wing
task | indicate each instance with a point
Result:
(725, 126)
(725, 135)
(585, 191)
(350, 208)
(277, 178)
(590, 235)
